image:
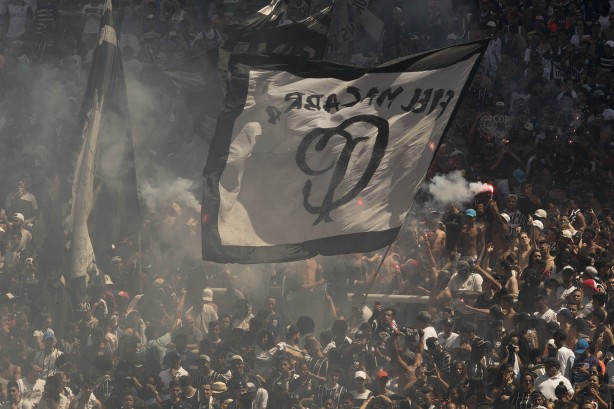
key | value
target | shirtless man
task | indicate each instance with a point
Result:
(544, 248)
(524, 250)
(405, 366)
(472, 237)
(437, 238)
(306, 275)
(588, 246)
(440, 296)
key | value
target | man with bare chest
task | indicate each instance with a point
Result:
(472, 237)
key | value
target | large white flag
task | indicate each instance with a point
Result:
(314, 158)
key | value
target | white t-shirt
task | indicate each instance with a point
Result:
(429, 332)
(472, 283)
(548, 316)
(449, 343)
(566, 358)
(31, 393)
(546, 385)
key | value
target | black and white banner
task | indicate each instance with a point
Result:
(314, 158)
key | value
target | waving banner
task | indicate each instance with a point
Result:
(314, 158)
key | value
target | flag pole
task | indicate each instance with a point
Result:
(364, 301)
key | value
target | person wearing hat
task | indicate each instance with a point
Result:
(440, 358)
(238, 373)
(585, 360)
(360, 393)
(448, 339)
(550, 380)
(465, 283)
(218, 389)
(471, 240)
(204, 313)
(45, 359)
(17, 226)
(205, 373)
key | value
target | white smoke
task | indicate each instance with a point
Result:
(165, 191)
(454, 189)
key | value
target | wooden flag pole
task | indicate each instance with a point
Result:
(364, 301)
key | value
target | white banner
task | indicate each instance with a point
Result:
(332, 156)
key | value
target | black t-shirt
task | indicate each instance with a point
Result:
(180, 404)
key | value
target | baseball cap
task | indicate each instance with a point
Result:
(590, 283)
(207, 294)
(360, 374)
(519, 175)
(203, 357)
(107, 280)
(541, 213)
(381, 374)
(581, 346)
(506, 217)
(48, 335)
(236, 358)
(567, 234)
(565, 313)
(538, 224)
(491, 24)
(551, 344)
(432, 343)
(251, 387)
(470, 213)
(591, 271)
(18, 216)
(609, 43)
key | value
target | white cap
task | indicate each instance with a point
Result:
(567, 234)
(538, 224)
(491, 24)
(107, 280)
(506, 217)
(609, 43)
(541, 213)
(360, 374)
(207, 294)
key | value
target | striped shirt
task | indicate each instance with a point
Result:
(323, 392)
(519, 399)
(200, 379)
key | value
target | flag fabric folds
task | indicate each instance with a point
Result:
(104, 191)
(314, 158)
(263, 34)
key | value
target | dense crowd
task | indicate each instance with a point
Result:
(517, 284)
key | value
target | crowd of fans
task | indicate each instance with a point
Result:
(517, 286)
